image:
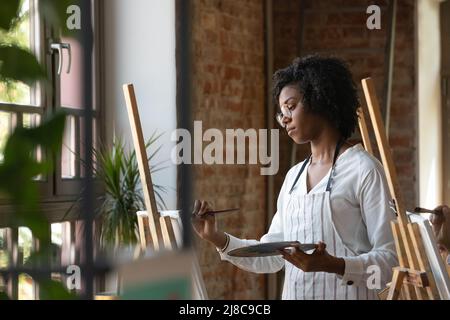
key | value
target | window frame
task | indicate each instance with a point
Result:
(58, 194)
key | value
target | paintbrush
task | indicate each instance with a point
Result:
(214, 212)
(423, 210)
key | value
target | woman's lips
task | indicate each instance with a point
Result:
(290, 130)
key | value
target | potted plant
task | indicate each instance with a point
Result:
(118, 171)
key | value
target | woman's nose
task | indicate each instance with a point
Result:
(286, 120)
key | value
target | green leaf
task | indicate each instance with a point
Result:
(19, 167)
(9, 10)
(20, 145)
(19, 64)
(50, 133)
(37, 223)
(3, 296)
(53, 290)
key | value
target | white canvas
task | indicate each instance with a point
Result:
(437, 265)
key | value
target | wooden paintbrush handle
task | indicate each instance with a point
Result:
(423, 210)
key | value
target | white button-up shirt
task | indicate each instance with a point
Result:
(360, 203)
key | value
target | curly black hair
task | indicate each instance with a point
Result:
(327, 87)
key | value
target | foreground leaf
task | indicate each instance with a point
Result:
(53, 290)
(9, 10)
(19, 65)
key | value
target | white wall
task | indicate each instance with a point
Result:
(140, 49)
(429, 88)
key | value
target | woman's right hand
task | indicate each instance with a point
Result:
(441, 227)
(204, 224)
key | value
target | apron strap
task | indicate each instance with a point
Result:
(336, 153)
(300, 173)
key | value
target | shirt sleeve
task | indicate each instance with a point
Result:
(374, 268)
(260, 264)
(257, 264)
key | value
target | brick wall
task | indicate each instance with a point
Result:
(228, 93)
(338, 27)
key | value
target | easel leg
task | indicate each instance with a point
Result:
(409, 292)
(396, 284)
(168, 233)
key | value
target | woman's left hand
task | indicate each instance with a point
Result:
(318, 261)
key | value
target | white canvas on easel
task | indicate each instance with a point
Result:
(156, 231)
(436, 262)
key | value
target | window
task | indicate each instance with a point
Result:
(16, 246)
(24, 106)
(20, 104)
(24, 35)
(25, 244)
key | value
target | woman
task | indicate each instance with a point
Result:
(337, 198)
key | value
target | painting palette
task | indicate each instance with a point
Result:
(269, 249)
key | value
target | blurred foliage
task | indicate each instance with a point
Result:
(19, 33)
(19, 167)
(17, 171)
(17, 62)
(54, 290)
(10, 10)
(3, 296)
(18, 36)
(18, 67)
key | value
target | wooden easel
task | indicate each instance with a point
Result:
(364, 131)
(155, 230)
(161, 230)
(413, 279)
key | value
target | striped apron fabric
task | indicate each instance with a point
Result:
(309, 219)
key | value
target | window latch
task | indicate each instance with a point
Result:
(59, 47)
